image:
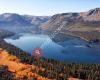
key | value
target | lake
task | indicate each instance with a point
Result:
(73, 50)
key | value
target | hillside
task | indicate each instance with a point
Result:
(16, 64)
(20, 70)
(85, 25)
(5, 33)
(14, 70)
(52, 69)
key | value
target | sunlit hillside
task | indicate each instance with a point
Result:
(20, 70)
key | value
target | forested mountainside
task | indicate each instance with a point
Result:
(16, 64)
(85, 25)
(44, 69)
(5, 33)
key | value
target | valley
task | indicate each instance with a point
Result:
(70, 42)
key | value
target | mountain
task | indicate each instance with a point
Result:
(85, 25)
(13, 19)
(36, 20)
(8, 19)
(21, 23)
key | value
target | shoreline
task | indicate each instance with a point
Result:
(76, 36)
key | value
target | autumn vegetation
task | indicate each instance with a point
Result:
(16, 64)
(45, 69)
(15, 70)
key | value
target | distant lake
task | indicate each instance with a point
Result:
(73, 50)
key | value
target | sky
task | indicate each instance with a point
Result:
(46, 7)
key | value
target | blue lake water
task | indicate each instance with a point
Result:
(73, 50)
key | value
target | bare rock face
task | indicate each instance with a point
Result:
(92, 15)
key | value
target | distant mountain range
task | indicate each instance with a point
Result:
(12, 19)
(21, 23)
(84, 24)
